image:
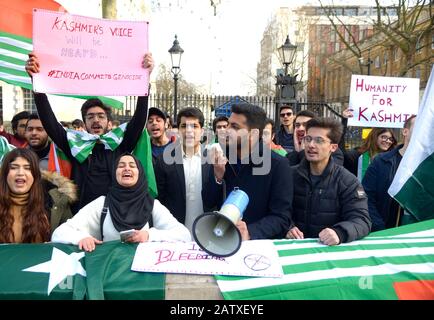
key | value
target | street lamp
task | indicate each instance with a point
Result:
(286, 53)
(367, 63)
(175, 54)
(285, 84)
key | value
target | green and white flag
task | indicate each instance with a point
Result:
(41, 271)
(5, 147)
(413, 185)
(393, 264)
(16, 43)
(82, 143)
(62, 272)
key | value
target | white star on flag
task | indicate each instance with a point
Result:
(59, 267)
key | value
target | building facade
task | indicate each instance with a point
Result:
(381, 57)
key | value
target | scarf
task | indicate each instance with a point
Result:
(82, 142)
(18, 202)
(130, 207)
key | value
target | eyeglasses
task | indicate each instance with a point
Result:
(288, 114)
(316, 140)
(100, 116)
(386, 138)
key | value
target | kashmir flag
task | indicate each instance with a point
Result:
(62, 272)
(58, 161)
(413, 185)
(5, 147)
(16, 24)
(392, 264)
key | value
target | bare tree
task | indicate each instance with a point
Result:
(414, 20)
(165, 86)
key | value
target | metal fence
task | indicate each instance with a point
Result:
(208, 103)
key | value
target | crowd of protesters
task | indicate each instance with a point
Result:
(300, 179)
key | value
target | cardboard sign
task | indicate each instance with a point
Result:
(88, 56)
(382, 101)
(256, 258)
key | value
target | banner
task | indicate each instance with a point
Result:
(395, 264)
(256, 258)
(89, 56)
(16, 42)
(384, 102)
(413, 184)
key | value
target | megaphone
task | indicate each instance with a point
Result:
(215, 232)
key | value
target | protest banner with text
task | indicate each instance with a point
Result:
(256, 258)
(89, 56)
(382, 101)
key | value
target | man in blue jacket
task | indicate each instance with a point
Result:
(263, 175)
(385, 212)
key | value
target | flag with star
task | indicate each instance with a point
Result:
(42, 271)
(53, 271)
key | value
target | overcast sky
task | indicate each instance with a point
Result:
(220, 51)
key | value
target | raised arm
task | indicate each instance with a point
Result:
(347, 113)
(137, 123)
(54, 129)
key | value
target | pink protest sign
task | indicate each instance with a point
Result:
(89, 56)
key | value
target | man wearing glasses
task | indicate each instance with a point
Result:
(285, 136)
(329, 202)
(93, 174)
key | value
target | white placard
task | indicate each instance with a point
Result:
(382, 101)
(256, 258)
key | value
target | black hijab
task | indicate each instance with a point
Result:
(130, 207)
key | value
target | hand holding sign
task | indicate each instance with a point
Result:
(88, 56)
(382, 101)
(32, 64)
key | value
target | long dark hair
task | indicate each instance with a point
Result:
(370, 143)
(36, 227)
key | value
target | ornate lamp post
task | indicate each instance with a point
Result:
(175, 54)
(285, 84)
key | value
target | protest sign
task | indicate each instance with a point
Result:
(89, 56)
(382, 101)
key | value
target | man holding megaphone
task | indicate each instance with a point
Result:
(263, 175)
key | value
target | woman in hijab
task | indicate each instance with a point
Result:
(127, 206)
(23, 216)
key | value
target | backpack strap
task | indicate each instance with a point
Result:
(103, 215)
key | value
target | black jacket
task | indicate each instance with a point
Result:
(270, 195)
(351, 160)
(337, 202)
(93, 176)
(171, 181)
(383, 209)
